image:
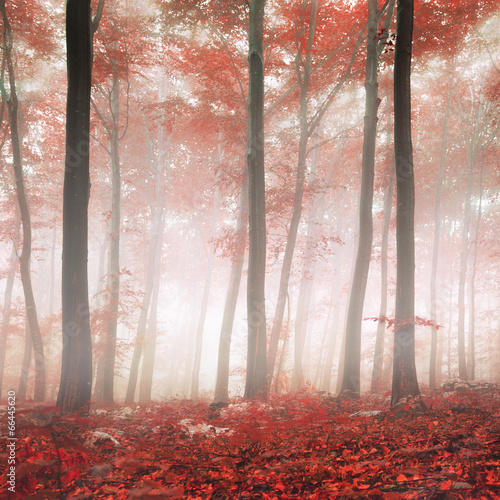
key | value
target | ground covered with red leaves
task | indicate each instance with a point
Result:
(300, 446)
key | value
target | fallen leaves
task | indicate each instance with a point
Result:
(301, 446)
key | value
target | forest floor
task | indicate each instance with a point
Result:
(298, 446)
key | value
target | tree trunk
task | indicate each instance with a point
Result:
(404, 376)
(471, 357)
(151, 270)
(25, 367)
(146, 383)
(22, 198)
(437, 232)
(195, 378)
(330, 327)
(378, 358)
(303, 69)
(114, 249)
(255, 384)
(351, 379)
(282, 358)
(307, 280)
(462, 276)
(7, 303)
(222, 383)
(76, 370)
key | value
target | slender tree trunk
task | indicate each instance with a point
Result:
(114, 249)
(404, 376)
(307, 280)
(462, 277)
(146, 383)
(151, 270)
(222, 383)
(303, 69)
(351, 380)
(76, 370)
(332, 326)
(195, 378)
(7, 303)
(188, 372)
(22, 198)
(255, 384)
(284, 349)
(378, 359)
(471, 357)
(437, 232)
(25, 367)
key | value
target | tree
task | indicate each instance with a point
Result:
(404, 376)
(105, 387)
(437, 232)
(33, 327)
(351, 379)
(307, 74)
(7, 302)
(146, 333)
(256, 356)
(76, 369)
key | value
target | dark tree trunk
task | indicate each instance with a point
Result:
(222, 382)
(22, 198)
(404, 376)
(76, 370)
(351, 379)
(255, 384)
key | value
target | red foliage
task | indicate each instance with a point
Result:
(300, 446)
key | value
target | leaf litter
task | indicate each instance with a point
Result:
(298, 446)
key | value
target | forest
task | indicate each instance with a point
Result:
(249, 249)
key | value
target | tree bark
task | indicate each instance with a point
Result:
(24, 209)
(222, 382)
(404, 376)
(351, 379)
(76, 370)
(255, 384)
